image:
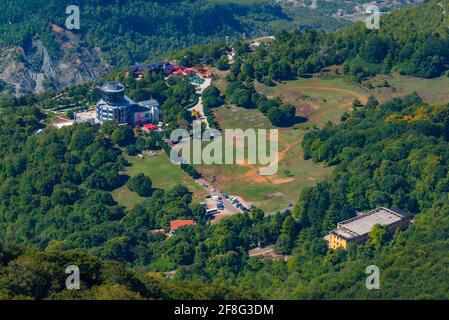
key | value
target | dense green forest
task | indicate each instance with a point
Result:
(412, 41)
(55, 195)
(56, 207)
(31, 273)
(131, 31)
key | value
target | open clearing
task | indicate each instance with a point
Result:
(319, 100)
(162, 173)
(433, 91)
(316, 99)
(269, 193)
(323, 100)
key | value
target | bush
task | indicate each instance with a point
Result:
(122, 135)
(132, 150)
(222, 63)
(140, 184)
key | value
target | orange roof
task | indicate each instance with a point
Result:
(176, 224)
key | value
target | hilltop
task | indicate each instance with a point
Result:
(37, 53)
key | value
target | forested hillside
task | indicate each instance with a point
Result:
(56, 207)
(55, 195)
(38, 53)
(412, 41)
(29, 273)
(131, 31)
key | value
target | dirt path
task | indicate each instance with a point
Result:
(253, 173)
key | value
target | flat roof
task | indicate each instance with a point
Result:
(363, 223)
(86, 116)
(150, 103)
(113, 86)
(343, 233)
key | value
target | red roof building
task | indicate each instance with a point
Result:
(176, 224)
(150, 126)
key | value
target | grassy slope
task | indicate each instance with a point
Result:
(317, 99)
(433, 91)
(273, 192)
(163, 174)
(321, 101)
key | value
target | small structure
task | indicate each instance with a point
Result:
(140, 69)
(356, 230)
(115, 106)
(89, 116)
(157, 231)
(149, 127)
(176, 224)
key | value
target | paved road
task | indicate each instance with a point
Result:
(199, 106)
(230, 209)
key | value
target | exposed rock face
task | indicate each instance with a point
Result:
(31, 69)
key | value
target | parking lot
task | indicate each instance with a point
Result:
(219, 204)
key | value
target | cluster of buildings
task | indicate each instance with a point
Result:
(174, 225)
(172, 70)
(140, 69)
(115, 106)
(356, 230)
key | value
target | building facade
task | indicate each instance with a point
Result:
(356, 230)
(115, 106)
(144, 112)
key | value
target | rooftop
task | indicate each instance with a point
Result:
(176, 224)
(113, 86)
(363, 223)
(138, 108)
(150, 103)
(86, 116)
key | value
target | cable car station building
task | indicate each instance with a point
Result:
(115, 106)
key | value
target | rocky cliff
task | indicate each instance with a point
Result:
(30, 68)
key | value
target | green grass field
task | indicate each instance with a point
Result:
(435, 91)
(323, 100)
(320, 100)
(269, 193)
(316, 99)
(162, 173)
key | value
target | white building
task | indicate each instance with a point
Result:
(144, 112)
(116, 106)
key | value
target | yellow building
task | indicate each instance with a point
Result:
(356, 230)
(336, 241)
